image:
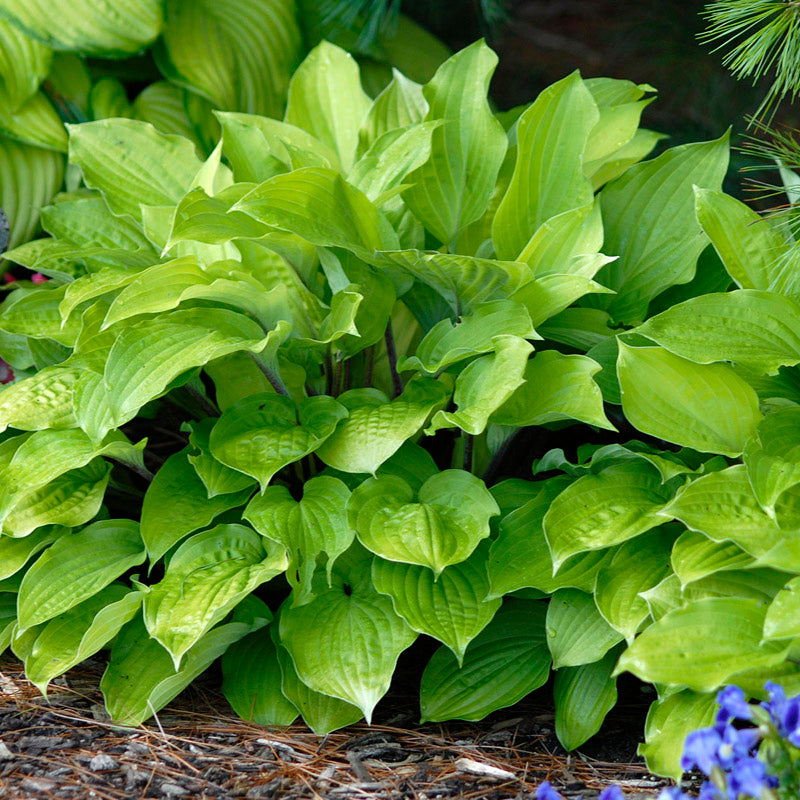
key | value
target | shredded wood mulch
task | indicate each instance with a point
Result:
(197, 748)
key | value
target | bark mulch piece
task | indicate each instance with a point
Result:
(197, 748)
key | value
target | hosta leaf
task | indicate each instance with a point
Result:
(694, 556)
(451, 608)
(759, 330)
(264, 432)
(400, 104)
(248, 52)
(638, 565)
(206, 577)
(649, 221)
(176, 504)
(556, 387)
(504, 662)
(583, 695)
(597, 511)
(35, 313)
(141, 679)
(548, 178)
(316, 524)
(632, 152)
(782, 615)
(24, 63)
(703, 644)
(216, 477)
(444, 526)
(133, 164)
(447, 343)
(453, 187)
(745, 242)
(164, 106)
(35, 122)
(704, 406)
(43, 400)
(15, 553)
(576, 631)
(51, 649)
(8, 618)
(147, 356)
(77, 566)
(346, 641)
(375, 428)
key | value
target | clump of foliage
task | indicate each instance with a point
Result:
(337, 341)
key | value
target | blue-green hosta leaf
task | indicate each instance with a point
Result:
(451, 608)
(148, 355)
(576, 631)
(703, 644)
(15, 553)
(649, 221)
(177, 503)
(704, 406)
(556, 387)
(44, 400)
(49, 650)
(264, 432)
(782, 617)
(24, 63)
(316, 524)
(35, 313)
(583, 695)
(251, 680)
(548, 179)
(520, 557)
(759, 330)
(597, 511)
(484, 385)
(238, 56)
(141, 679)
(454, 186)
(439, 525)
(447, 343)
(77, 566)
(747, 244)
(326, 99)
(638, 565)
(375, 428)
(694, 556)
(504, 662)
(346, 641)
(133, 164)
(669, 721)
(206, 577)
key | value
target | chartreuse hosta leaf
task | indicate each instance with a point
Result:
(177, 503)
(77, 566)
(617, 163)
(346, 641)
(484, 385)
(638, 565)
(376, 428)
(316, 524)
(8, 618)
(556, 387)
(141, 678)
(669, 721)
(759, 330)
(504, 662)
(694, 556)
(576, 631)
(439, 525)
(42, 401)
(703, 644)
(49, 650)
(649, 222)
(597, 511)
(216, 477)
(784, 612)
(583, 695)
(548, 177)
(264, 432)
(249, 50)
(15, 553)
(704, 406)
(35, 313)
(24, 63)
(447, 343)
(451, 608)
(206, 577)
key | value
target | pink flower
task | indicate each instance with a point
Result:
(37, 277)
(9, 278)
(6, 373)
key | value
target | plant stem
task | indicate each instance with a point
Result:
(347, 382)
(273, 378)
(203, 401)
(328, 372)
(391, 354)
(142, 472)
(469, 445)
(369, 366)
(496, 460)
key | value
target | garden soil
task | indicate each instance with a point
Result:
(197, 748)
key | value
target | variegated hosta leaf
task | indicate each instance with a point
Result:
(24, 63)
(346, 641)
(206, 577)
(77, 566)
(316, 524)
(439, 525)
(375, 428)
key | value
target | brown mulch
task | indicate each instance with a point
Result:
(197, 748)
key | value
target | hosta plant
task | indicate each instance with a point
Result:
(399, 367)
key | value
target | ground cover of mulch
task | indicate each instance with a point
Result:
(197, 748)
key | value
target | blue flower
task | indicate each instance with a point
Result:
(733, 705)
(708, 791)
(749, 777)
(611, 793)
(545, 791)
(672, 793)
(701, 750)
(785, 714)
(735, 744)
